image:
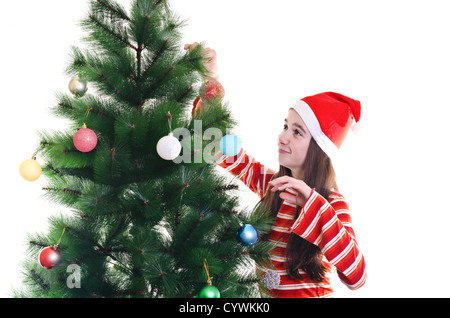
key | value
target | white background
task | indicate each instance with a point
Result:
(393, 56)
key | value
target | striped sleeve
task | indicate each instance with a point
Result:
(252, 173)
(328, 225)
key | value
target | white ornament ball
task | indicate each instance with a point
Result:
(168, 147)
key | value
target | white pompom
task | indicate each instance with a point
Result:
(356, 128)
(271, 279)
(168, 147)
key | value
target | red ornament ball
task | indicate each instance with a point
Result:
(49, 257)
(212, 89)
(85, 139)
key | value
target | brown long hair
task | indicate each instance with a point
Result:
(301, 254)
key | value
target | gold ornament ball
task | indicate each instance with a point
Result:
(30, 170)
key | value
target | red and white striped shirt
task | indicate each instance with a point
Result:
(326, 224)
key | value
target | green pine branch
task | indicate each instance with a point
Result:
(112, 10)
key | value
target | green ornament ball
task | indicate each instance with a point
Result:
(209, 292)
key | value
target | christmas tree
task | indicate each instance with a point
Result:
(150, 213)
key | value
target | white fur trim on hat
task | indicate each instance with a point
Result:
(308, 116)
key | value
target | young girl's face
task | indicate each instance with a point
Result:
(293, 143)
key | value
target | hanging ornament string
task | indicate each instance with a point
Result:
(205, 265)
(34, 155)
(208, 291)
(59, 241)
(169, 119)
(86, 116)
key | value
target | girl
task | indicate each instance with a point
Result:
(312, 230)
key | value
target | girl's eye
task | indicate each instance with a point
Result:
(297, 132)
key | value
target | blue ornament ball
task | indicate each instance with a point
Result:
(230, 145)
(247, 235)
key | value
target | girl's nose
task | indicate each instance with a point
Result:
(284, 137)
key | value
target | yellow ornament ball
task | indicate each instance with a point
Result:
(30, 170)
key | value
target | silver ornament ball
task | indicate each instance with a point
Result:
(78, 87)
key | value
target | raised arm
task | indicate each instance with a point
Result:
(252, 173)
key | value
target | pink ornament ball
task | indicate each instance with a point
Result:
(85, 140)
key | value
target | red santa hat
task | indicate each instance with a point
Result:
(328, 117)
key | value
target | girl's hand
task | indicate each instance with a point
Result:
(210, 60)
(299, 187)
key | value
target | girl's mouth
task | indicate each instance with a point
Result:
(283, 151)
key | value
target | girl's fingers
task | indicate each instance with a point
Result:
(211, 55)
(288, 197)
(190, 46)
(277, 187)
(299, 191)
(283, 183)
(283, 186)
(279, 180)
(210, 60)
